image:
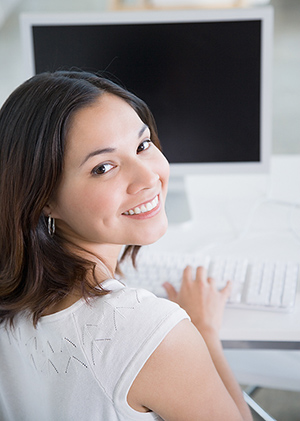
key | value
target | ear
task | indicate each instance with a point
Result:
(49, 209)
(46, 210)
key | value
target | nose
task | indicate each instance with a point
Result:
(143, 175)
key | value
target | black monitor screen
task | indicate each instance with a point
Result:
(201, 80)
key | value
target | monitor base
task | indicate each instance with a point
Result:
(177, 202)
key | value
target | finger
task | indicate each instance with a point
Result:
(226, 291)
(212, 282)
(187, 275)
(171, 291)
(201, 274)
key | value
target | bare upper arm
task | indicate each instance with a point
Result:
(180, 382)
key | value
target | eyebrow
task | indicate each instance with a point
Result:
(144, 127)
(110, 150)
(97, 152)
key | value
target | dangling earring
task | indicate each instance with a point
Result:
(51, 225)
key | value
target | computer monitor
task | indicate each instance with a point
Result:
(205, 74)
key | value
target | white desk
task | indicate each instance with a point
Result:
(222, 208)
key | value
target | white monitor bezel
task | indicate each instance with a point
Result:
(265, 14)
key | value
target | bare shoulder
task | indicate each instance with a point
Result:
(179, 380)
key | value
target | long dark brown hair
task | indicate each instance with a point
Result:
(36, 269)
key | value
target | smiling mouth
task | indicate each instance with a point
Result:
(146, 207)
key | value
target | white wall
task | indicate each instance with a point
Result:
(6, 6)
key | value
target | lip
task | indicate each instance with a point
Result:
(148, 214)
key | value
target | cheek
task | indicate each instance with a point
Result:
(98, 203)
(85, 202)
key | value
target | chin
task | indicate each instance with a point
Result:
(154, 235)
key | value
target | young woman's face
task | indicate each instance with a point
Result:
(114, 181)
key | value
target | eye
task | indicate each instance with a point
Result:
(102, 169)
(144, 145)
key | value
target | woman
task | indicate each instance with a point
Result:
(78, 156)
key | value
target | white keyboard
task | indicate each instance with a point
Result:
(256, 285)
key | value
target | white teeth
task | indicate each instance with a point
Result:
(143, 208)
(149, 206)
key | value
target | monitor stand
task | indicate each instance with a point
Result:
(177, 203)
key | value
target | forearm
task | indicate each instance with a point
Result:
(205, 305)
(216, 351)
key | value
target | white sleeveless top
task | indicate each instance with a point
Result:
(79, 363)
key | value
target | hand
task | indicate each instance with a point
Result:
(200, 299)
